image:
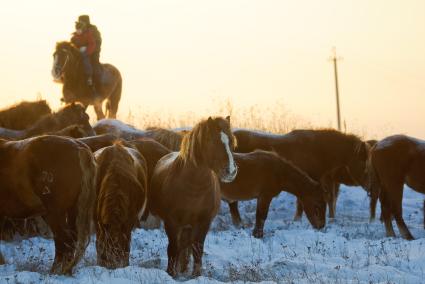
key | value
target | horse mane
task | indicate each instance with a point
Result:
(114, 198)
(191, 147)
(21, 115)
(168, 138)
(66, 45)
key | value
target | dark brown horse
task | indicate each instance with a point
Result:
(170, 139)
(68, 115)
(185, 190)
(317, 152)
(263, 175)
(73, 131)
(99, 141)
(23, 115)
(68, 69)
(121, 190)
(35, 182)
(395, 161)
(346, 177)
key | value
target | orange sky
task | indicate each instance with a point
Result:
(177, 55)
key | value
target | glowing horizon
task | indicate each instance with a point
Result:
(175, 56)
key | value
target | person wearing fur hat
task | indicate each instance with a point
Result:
(87, 39)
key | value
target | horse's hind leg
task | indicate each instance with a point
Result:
(64, 244)
(114, 100)
(172, 249)
(2, 259)
(299, 212)
(334, 189)
(263, 204)
(98, 110)
(234, 211)
(398, 214)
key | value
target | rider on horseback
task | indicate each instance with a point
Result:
(87, 38)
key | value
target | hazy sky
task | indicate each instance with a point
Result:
(178, 55)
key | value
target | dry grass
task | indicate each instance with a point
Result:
(276, 118)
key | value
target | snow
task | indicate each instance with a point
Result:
(348, 250)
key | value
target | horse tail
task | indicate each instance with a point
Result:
(86, 202)
(373, 185)
(114, 99)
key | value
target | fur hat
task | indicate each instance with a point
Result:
(84, 19)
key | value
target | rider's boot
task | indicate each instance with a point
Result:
(92, 87)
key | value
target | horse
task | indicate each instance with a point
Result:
(34, 182)
(354, 178)
(68, 69)
(23, 115)
(99, 141)
(395, 161)
(316, 152)
(168, 138)
(73, 131)
(121, 190)
(185, 190)
(69, 115)
(263, 175)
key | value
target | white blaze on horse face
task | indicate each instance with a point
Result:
(55, 62)
(232, 169)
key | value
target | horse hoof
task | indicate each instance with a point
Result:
(258, 234)
(172, 272)
(297, 218)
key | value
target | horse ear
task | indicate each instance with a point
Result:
(210, 121)
(228, 118)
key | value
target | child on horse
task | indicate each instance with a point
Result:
(87, 38)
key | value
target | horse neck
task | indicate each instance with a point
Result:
(291, 178)
(74, 74)
(47, 123)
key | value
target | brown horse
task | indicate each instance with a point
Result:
(99, 141)
(73, 131)
(170, 139)
(263, 175)
(34, 182)
(68, 69)
(317, 152)
(185, 190)
(23, 115)
(394, 161)
(68, 115)
(121, 190)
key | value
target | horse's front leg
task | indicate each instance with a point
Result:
(263, 204)
(299, 212)
(2, 259)
(98, 110)
(234, 212)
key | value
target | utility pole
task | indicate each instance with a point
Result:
(334, 58)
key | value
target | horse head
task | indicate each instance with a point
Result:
(75, 113)
(63, 57)
(357, 165)
(314, 204)
(210, 144)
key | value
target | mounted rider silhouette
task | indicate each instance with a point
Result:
(88, 40)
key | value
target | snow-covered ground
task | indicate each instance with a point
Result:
(349, 250)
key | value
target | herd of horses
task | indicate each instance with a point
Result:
(107, 178)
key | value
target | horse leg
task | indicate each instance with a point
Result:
(184, 241)
(398, 215)
(114, 100)
(64, 244)
(423, 208)
(171, 249)
(98, 110)
(373, 202)
(199, 235)
(263, 204)
(334, 190)
(299, 212)
(2, 259)
(234, 211)
(184, 259)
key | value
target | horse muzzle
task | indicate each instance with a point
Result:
(228, 176)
